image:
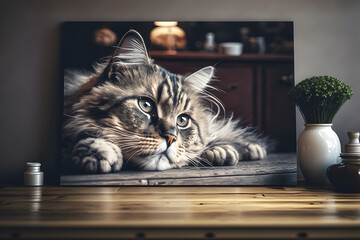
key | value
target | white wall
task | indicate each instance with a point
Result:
(327, 39)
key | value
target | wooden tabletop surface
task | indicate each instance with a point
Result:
(178, 212)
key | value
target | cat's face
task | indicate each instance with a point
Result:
(155, 117)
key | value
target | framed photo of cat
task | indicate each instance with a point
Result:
(178, 103)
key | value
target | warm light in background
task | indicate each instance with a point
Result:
(166, 23)
(168, 35)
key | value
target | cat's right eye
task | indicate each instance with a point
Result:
(146, 104)
(183, 120)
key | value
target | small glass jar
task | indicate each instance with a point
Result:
(209, 44)
(33, 176)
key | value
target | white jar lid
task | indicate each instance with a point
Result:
(33, 164)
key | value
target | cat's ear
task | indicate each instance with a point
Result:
(200, 79)
(131, 50)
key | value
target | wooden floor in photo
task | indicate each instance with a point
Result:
(276, 169)
(52, 212)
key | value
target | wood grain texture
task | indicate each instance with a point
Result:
(177, 213)
(276, 169)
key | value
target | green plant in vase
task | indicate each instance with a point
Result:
(318, 146)
(320, 98)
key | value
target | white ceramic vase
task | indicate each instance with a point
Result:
(318, 147)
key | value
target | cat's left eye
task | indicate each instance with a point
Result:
(183, 120)
(146, 104)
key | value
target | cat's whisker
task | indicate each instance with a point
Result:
(213, 99)
(193, 161)
(201, 159)
(68, 115)
(128, 160)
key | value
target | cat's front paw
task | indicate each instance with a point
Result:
(253, 151)
(96, 155)
(221, 155)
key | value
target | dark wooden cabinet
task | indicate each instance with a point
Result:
(278, 110)
(253, 87)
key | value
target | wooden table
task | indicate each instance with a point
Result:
(177, 213)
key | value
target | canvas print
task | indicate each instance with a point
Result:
(178, 103)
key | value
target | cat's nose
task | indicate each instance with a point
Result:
(170, 138)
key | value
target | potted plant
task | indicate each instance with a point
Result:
(318, 98)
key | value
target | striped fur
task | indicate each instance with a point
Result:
(107, 107)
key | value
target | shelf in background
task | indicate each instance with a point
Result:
(216, 56)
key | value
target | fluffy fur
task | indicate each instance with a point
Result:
(132, 113)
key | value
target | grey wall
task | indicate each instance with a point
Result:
(327, 39)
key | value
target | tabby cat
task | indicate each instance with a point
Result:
(132, 113)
